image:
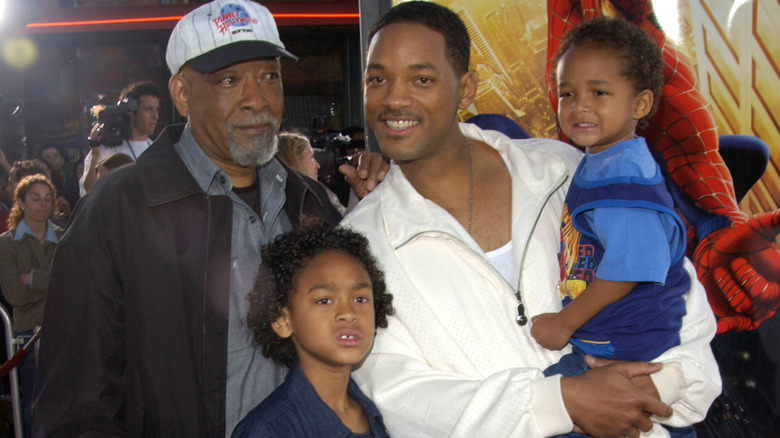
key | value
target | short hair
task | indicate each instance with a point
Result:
(113, 161)
(288, 255)
(291, 146)
(20, 192)
(641, 59)
(437, 18)
(43, 146)
(135, 90)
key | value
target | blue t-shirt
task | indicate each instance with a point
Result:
(619, 224)
(294, 410)
(639, 243)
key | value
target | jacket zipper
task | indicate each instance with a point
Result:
(522, 318)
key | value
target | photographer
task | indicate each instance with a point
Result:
(144, 98)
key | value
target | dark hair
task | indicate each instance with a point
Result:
(23, 168)
(352, 130)
(43, 146)
(288, 255)
(437, 18)
(113, 161)
(642, 61)
(141, 88)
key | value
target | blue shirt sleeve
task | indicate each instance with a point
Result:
(638, 243)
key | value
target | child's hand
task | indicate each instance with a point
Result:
(550, 331)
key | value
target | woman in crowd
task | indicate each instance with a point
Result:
(57, 158)
(296, 151)
(26, 252)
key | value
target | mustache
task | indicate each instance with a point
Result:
(256, 119)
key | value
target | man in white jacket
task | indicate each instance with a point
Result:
(466, 227)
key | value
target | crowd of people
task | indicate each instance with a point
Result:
(209, 284)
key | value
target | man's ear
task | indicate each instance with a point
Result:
(644, 103)
(179, 88)
(281, 326)
(469, 83)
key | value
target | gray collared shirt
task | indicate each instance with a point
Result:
(250, 376)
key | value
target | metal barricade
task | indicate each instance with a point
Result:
(12, 345)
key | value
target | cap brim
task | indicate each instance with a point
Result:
(233, 53)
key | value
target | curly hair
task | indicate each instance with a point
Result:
(288, 255)
(20, 193)
(135, 90)
(24, 168)
(642, 61)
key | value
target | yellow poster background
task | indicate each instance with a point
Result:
(734, 46)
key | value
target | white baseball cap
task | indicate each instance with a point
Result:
(222, 33)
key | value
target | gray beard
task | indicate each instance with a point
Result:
(260, 150)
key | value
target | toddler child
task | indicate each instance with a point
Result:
(622, 243)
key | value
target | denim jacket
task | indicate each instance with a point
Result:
(294, 410)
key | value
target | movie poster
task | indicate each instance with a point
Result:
(734, 47)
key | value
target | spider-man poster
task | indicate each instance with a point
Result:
(716, 135)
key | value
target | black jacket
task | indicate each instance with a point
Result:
(134, 337)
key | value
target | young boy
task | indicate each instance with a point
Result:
(318, 317)
(622, 243)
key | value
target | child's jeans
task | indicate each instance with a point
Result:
(573, 364)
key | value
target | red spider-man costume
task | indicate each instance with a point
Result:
(734, 254)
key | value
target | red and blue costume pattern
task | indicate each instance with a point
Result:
(735, 255)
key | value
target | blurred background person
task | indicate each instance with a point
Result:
(57, 158)
(295, 151)
(357, 139)
(141, 124)
(26, 252)
(112, 162)
(24, 168)
(5, 195)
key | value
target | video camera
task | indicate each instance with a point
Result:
(114, 119)
(330, 150)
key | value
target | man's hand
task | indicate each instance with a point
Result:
(63, 205)
(550, 331)
(641, 381)
(95, 135)
(604, 402)
(371, 170)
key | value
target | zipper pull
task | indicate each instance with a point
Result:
(520, 318)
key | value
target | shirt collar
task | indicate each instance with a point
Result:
(200, 166)
(22, 229)
(307, 400)
(207, 173)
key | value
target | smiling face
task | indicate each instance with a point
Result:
(597, 106)
(234, 113)
(331, 313)
(412, 92)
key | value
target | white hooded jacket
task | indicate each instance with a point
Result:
(453, 361)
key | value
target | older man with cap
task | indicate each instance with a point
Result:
(143, 332)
